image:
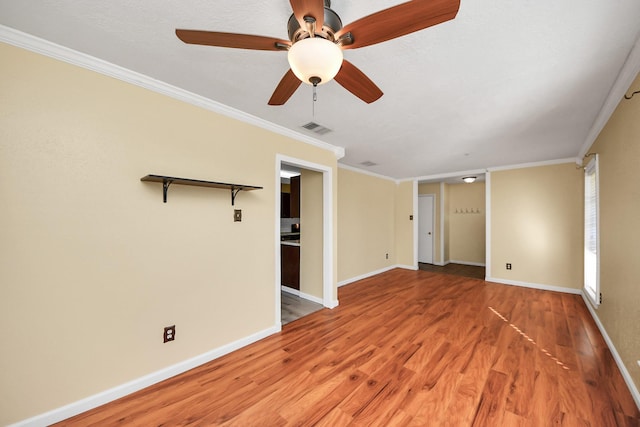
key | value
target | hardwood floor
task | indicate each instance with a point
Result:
(405, 348)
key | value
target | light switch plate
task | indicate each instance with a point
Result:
(237, 215)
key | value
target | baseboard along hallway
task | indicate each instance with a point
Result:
(405, 348)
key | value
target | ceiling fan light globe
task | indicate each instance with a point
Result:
(315, 58)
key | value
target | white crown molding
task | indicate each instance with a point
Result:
(533, 164)
(55, 51)
(626, 76)
(447, 175)
(366, 172)
(443, 176)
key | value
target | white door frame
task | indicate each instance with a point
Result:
(328, 268)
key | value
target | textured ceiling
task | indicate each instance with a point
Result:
(506, 82)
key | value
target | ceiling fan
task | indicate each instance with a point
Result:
(317, 38)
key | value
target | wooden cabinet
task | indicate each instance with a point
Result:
(295, 197)
(285, 205)
(290, 202)
(290, 266)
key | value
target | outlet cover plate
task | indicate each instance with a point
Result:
(169, 333)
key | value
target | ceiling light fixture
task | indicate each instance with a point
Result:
(288, 174)
(468, 179)
(315, 60)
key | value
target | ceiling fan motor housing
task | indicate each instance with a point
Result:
(332, 24)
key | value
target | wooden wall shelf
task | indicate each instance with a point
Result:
(168, 180)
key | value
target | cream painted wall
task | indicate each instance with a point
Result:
(537, 225)
(366, 222)
(92, 264)
(311, 236)
(618, 148)
(467, 230)
(434, 188)
(404, 225)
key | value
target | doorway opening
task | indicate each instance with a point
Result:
(452, 221)
(304, 239)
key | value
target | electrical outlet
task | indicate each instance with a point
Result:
(237, 215)
(410, 217)
(387, 256)
(508, 266)
(170, 333)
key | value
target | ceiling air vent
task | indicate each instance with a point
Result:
(316, 128)
(368, 163)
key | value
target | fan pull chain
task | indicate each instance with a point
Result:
(313, 102)
(315, 81)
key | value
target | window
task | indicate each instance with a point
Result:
(591, 232)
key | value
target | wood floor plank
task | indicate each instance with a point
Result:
(321, 400)
(492, 406)
(404, 348)
(464, 404)
(426, 407)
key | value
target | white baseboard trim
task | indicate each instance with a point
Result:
(365, 276)
(117, 392)
(476, 264)
(623, 369)
(534, 285)
(303, 295)
(373, 273)
(290, 290)
(407, 267)
(311, 298)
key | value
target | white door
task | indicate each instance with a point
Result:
(425, 228)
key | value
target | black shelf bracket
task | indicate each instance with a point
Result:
(165, 187)
(168, 180)
(234, 193)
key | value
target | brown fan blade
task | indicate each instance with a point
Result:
(240, 41)
(285, 89)
(356, 82)
(314, 8)
(399, 20)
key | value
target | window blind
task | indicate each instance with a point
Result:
(591, 232)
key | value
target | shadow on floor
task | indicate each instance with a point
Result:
(472, 271)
